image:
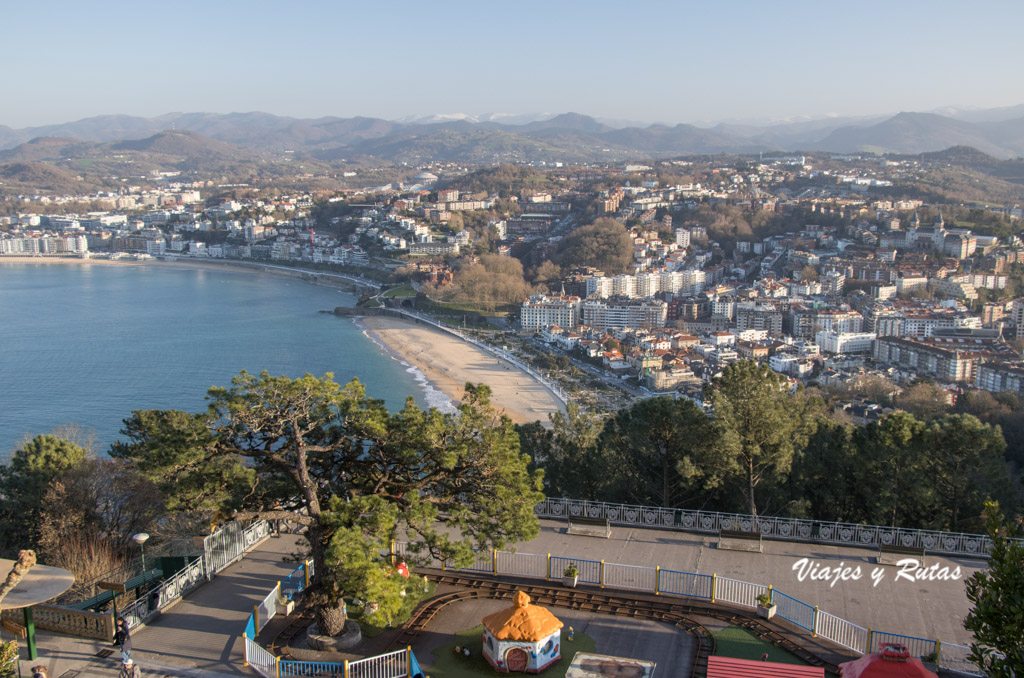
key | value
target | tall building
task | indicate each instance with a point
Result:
(542, 310)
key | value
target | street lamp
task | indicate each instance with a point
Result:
(141, 539)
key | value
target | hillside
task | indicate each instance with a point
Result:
(19, 177)
(925, 132)
(205, 139)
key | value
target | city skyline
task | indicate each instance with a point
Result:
(648, 62)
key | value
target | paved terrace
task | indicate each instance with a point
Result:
(200, 636)
(927, 609)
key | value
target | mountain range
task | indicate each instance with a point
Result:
(569, 137)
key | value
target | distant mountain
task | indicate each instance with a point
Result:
(924, 132)
(982, 114)
(45, 148)
(569, 137)
(184, 144)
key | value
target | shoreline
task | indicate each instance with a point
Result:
(232, 265)
(447, 363)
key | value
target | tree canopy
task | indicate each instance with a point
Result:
(323, 455)
(997, 595)
(604, 244)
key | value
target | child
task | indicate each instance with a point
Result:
(123, 639)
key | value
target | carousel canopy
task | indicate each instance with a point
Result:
(522, 622)
(877, 666)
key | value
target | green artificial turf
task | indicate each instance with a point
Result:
(740, 643)
(449, 665)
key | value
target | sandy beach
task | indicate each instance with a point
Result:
(448, 363)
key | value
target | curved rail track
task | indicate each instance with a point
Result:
(674, 611)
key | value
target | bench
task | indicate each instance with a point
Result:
(590, 527)
(891, 554)
(740, 540)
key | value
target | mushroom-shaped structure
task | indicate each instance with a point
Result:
(524, 637)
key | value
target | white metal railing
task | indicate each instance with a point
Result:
(176, 587)
(261, 661)
(266, 609)
(738, 592)
(391, 665)
(526, 564)
(842, 632)
(504, 355)
(629, 576)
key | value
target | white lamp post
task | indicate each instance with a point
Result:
(141, 539)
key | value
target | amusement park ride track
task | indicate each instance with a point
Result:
(665, 610)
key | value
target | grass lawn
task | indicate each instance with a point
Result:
(447, 664)
(400, 291)
(740, 643)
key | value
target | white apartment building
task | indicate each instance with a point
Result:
(624, 285)
(844, 342)
(682, 237)
(648, 284)
(603, 314)
(599, 286)
(839, 321)
(542, 310)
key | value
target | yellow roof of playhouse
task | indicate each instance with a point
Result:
(522, 621)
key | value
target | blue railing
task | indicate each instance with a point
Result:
(793, 610)
(918, 647)
(318, 669)
(685, 584)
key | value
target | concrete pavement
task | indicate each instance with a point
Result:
(199, 637)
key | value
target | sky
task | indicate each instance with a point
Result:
(645, 61)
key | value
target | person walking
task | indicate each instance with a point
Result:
(123, 640)
(129, 669)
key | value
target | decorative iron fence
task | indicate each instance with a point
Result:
(770, 527)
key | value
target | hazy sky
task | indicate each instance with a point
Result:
(646, 61)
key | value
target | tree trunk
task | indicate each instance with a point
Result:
(330, 618)
(750, 489)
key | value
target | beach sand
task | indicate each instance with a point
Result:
(448, 363)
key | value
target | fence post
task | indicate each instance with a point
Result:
(346, 668)
(657, 579)
(392, 553)
(245, 651)
(494, 561)
(602, 573)
(408, 660)
(548, 575)
(814, 623)
(714, 583)
(277, 666)
(305, 573)
(771, 595)
(867, 650)
(279, 590)
(938, 651)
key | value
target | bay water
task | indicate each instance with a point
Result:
(86, 344)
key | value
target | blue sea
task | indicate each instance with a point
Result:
(86, 344)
